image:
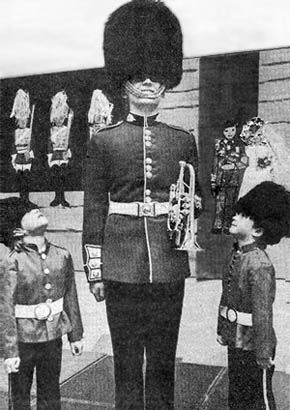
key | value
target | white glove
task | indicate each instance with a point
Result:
(98, 290)
(76, 348)
(12, 364)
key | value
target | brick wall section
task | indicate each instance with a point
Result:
(181, 105)
(274, 89)
(274, 107)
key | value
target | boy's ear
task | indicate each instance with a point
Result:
(258, 232)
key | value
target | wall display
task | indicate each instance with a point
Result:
(22, 155)
(229, 165)
(100, 112)
(59, 152)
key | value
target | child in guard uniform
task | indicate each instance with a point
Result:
(40, 306)
(245, 322)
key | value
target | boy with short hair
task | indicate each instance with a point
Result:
(245, 322)
(40, 306)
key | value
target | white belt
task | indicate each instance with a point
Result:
(233, 316)
(138, 208)
(41, 311)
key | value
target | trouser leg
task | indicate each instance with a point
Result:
(230, 200)
(165, 310)
(23, 182)
(21, 382)
(125, 320)
(48, 367)
(250, 387)
(219, 212)
(58, 177)
(63, 176)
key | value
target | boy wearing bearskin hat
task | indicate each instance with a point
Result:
(129, 259)
(40, 305)
(245, 322)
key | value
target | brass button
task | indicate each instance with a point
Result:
(148, 199)
(43, 256)
(46, 271)
(147, 133)
(148, 175)
(147, 191)
(148, 160)
(148, 144)
(148, 167)
(47, 286)
(48, 300)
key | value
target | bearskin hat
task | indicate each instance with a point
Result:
(268, 205)
(143, 39)
(12, 210)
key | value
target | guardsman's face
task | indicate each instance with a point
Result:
(148, 96)
(34, 221)
(230, 132)
(146, 86)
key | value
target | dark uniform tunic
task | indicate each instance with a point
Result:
(137, 161)
(33, 278)
(132, 162)
(249, 287)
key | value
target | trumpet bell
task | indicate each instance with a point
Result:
(181, 221)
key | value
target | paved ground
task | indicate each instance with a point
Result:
(197, 343)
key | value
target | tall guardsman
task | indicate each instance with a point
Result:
(129, 258)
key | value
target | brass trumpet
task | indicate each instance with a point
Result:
(181, 222)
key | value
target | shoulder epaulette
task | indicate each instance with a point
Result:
(108, 127)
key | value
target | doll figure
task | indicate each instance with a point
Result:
(100, 112)
(267, 153)
(23, 155)
(229, 164)
(59, 153)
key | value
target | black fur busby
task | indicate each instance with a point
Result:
(143, 39)
(12, 210)
(268, 205)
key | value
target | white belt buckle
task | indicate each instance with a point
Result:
(42, 311)
(232, 315)
(146, 209)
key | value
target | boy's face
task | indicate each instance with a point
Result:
(33, 221)
(230, 132)
(243, 227)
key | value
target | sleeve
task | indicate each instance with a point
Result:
(222, 325)
(262, 281)
(71, 304)
(214, 169)
(49, 144)
(96, 204)
(9, 267)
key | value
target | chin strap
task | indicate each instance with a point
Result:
(130, 88)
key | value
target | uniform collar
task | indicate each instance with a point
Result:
(140, 120)
(249, 247)
(31, 246)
